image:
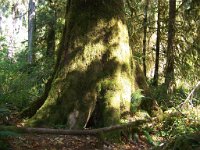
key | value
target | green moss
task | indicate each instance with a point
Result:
(97, 68)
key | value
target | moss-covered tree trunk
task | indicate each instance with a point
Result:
(95, 70)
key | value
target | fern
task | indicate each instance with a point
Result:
(3, 110)
(4, 145)
(4, 134)
(149, 138)
(136, 99)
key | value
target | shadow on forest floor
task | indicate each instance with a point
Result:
(14, 141)
(68, 142)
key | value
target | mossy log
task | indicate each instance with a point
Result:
(98, 131)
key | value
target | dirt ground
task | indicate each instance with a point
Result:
(68, 142)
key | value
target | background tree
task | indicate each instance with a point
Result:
(145, 34)
(187, 49)
(31, 29)
(51, 35)
(155, 80)
(169, 75)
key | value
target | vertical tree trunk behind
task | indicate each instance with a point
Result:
(1, 17)
(51, 32)
(51, 42)
(31, 29)
(11, 47)
(95, 70)
(145, 36)
(169, 76)
(1, 20)
(155, 80)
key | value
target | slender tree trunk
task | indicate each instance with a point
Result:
(1, 31)
(1, 19)
(31, 29)
(51, 37)
(94, 69)
(11, 47)
(145, 36)
(155, 81)
(169, 76)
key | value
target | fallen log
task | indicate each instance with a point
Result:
(70, 132)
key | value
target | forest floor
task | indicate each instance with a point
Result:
(67, 142)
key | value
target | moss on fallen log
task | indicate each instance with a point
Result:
(98, 131)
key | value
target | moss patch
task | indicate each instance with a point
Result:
(95, 68)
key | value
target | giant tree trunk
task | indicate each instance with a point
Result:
(94, 69)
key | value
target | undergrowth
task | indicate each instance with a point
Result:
(180, 126)
(21, 82)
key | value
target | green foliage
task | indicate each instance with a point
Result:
(50, 18)
(158, 93)
(4, 114)
(179, 96)
(4, 134)
(3, 111)
(181, 118)
(148, 137)
(183, 142)
(4, 145)
(178, 125)
(136, 99)
(187, 41)
(187, 142)
(178, 130)
(21, 82)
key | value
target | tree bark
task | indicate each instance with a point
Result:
(31, 29)
(94, 67)
(51, 32)
(1, 20)
(12, 34)
(145, 36)
(155, 80)
(169, 76)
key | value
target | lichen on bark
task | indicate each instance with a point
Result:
(95, 68)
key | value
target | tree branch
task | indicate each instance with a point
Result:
(188, 99)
